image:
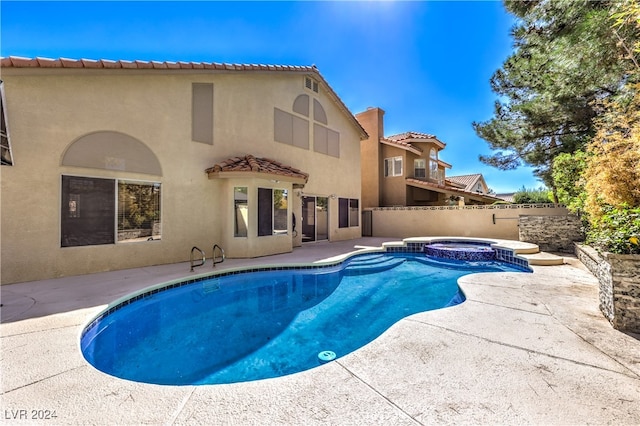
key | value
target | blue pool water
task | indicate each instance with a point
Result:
(257, 325)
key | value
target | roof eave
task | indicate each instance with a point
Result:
(407, 147)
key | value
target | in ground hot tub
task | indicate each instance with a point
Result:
(460, 250)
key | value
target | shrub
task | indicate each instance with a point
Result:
(616, 231)
(532, 196)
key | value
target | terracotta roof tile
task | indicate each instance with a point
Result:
(410, 135)
(402, 144)
(416, 135)
(249, 163)
(466, 180)
(464, 192)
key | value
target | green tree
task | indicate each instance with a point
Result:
(569, 180)
(566, 56)
(532, 196)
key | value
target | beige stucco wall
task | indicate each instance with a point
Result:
(474, 221)
(393, 192)
(49, 109)
(370, 151)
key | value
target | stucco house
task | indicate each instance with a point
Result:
(118, 164)
(406, 169)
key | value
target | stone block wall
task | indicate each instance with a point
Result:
(551, 233)
(619, 293)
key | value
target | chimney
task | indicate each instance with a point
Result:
(370, 151)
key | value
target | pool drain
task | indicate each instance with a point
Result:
(326, 356)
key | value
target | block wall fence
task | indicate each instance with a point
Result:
(490, 221)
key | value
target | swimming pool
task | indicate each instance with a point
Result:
(268, 322)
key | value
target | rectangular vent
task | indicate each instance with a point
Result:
(311, 84)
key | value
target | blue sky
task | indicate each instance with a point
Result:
(427, 64)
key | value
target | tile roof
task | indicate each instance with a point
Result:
(249, 163)
(416, 137)
(410, 135)
(459, 191)
(20, 62)
(401, 144)
(466, 180)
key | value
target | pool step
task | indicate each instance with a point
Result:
(368, 259)
(543, 259)
(360, 267)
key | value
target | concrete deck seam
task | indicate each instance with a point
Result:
(548, 314)
(633, 373)
(40, 331)
(393, 404)
(532, 351)
(180, 407)
(42, 380)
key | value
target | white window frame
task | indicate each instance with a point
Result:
(393, 166)
(417, 162)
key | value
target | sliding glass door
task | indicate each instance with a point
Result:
(315, 219)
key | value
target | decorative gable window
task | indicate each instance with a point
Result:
(311, 84)
(393, 166)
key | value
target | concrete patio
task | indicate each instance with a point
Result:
(522, 349)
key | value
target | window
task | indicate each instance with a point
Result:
(419, 168)
(241, 211)
(393, 166)
(433, 164)
(202, 112)
(326, 141)
(88, 211)
(354, 212)
(290, 129)
(272, 211)
(138, 211)
(6, 158)
(348, 212)
(91, 216)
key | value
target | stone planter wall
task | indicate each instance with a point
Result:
(551, 233)
(619, 278)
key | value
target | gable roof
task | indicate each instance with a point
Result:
(262, 167)
(407, 137)
(467, 181)
(20, 62)
(402, 144)
(450, 189)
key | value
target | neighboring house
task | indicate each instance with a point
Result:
(474, 183)
(117, 164)
(406, 170)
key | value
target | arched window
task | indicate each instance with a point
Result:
(112, 151)
(301, 105)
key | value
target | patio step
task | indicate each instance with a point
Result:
(543, 259)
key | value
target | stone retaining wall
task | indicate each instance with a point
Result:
(551, 233)
(619, 278)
